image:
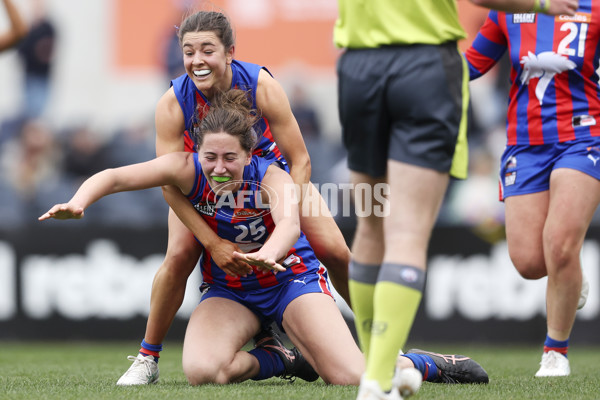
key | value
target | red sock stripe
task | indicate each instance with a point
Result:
(150, 352)
(561, 350)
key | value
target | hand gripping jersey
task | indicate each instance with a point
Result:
(241, 217)
(245, 77)
(554, 84)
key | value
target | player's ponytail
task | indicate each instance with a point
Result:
(230, 112)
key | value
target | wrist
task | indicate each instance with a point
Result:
(542, 6)
(210, 244)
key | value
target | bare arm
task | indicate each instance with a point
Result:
(169, 137)
(277, 184)
(18, 29)
(275, 107)
(557, 7)
(172, 169)
(170, 126)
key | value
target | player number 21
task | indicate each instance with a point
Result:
(564, 45)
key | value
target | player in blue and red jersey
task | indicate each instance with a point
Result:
(549, 172)
(250, 201)
(244, 77)
(207, 42)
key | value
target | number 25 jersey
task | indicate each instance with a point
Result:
(240, 217)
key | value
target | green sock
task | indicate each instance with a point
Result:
(362, 287)
(397, 297)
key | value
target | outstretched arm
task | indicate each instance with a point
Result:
(552, 7)
(17, 30)
(279, 191)
(172, 169)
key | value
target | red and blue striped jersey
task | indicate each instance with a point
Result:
(241, 218)
(245, 77)
(554, 84)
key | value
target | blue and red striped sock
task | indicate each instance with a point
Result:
(151, 350)
(425, 364)
(269, 362)
(560, 346)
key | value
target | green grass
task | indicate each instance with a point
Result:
(89, 370)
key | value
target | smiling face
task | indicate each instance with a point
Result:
(223, 159)
(207, 62)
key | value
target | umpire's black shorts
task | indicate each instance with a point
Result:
(405, 103)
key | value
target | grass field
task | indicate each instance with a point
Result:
(89, 370)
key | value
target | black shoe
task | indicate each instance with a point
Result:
(453, 368)
(294, 362)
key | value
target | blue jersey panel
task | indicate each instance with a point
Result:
(242, 218)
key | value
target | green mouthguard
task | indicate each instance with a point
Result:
(221, 179)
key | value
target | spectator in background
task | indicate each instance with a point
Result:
(31, 160)
(170, 51)
(473, 202)
(84, 153)
(9, 39)
(17, 29)
(36, 52)
(173, 56)
(322, 153)
(131, 144)
(305, 114)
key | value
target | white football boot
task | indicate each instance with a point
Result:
(553, 364)
(143, 371)
(585, 290)
(370, 390)
(407, 381)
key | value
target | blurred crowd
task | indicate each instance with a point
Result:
(41, 165)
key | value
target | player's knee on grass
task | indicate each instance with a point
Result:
(201, 372)
(342, 375)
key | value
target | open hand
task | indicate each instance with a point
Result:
(260, 261)
(63, 211)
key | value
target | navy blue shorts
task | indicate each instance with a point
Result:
(269, 304)
(526, 169)
(404, 103)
